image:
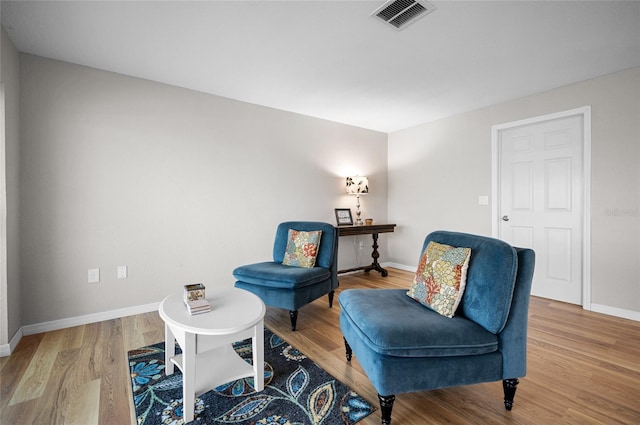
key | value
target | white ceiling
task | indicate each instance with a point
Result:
(330, 59)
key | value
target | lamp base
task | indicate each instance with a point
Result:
(358, 221)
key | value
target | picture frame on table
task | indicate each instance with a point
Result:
(343, 217)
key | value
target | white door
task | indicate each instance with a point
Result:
(540, 200)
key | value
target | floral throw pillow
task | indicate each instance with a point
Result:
(441, 278)
(302, 248)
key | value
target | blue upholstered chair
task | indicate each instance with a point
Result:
(403, 346)
(292, 287)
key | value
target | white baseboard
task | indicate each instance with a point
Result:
(617, 312)
(54, 325)
(6, 349)
(400, 266)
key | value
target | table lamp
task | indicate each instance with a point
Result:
(357, 185)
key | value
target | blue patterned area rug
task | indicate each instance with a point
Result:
(296, 391)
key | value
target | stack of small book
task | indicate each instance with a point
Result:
(198, 306)
(194, 299)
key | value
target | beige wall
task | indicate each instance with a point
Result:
(437, 171)
(182, 186)
(177, 185)
(10, 313)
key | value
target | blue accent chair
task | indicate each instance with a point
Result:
(404, 346)
(291, 287)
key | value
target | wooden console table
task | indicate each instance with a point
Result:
(372, 230)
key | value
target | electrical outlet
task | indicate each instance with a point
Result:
(361, 245)
(483, 200)
(122, 272)
(93, 276)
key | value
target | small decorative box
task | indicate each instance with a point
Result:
(193, 292)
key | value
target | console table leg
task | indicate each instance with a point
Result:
(375, 255)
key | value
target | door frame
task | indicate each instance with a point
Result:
(496, 178)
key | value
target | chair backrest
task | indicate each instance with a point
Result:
(328, 250)
(513, 338)
(490, 277)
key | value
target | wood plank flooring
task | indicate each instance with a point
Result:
(583, 368)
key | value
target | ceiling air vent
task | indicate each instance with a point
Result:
(401, 13)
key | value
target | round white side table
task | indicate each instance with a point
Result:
(208, 358)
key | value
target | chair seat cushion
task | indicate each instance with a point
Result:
(277, 275)
(390, 323)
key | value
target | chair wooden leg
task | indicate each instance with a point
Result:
(293, 315)
(331, 298)
(509, 386)
(348, 351)
(386, 405)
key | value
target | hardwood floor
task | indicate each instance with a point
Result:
(583, 368)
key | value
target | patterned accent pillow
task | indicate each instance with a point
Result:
(302, 248)
(441, 278)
